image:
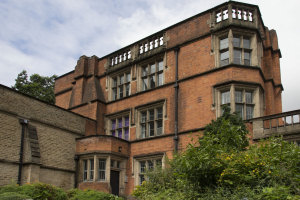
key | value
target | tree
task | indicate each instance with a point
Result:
(222, 165)
(41, 87)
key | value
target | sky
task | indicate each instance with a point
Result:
(48, 36)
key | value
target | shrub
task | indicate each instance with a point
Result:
(13, 196)
(76, 194)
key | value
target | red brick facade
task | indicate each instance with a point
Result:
(202, 80)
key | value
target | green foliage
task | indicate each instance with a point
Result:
(222, 165)
(36, 191)
(13, 196)
(41, 87)
(76, 194)
(41, 191)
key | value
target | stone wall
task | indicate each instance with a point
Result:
(49, 143)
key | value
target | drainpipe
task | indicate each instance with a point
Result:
(76, 158)
(24, 123)
(176, 86)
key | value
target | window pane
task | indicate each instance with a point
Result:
(239, 110)
(151, 114)
(121, 80)
(225, 97)
(152, 68)
(91, 169)
(160, 65)
(248, 97)
(143, 117)
(143, 130)
(101, 171)
(120, 123)
(151, 128)
(159, 127)
(150, 165)
(142, 167)
(85, 170)
(225, 58)
(126, 121)
(152, 81)
(160, 79)
(249, 112)
(112, 163)
(114, 93)
(145, 83)
(237, 56)
(246, 43)
(120, 133)
(127, 90)
(224, 43)
(128, 77)
(115, 82)
(159, 113)
(236, 42)
(126, 133)
(238, 97)
(247, 56)
(121, 91)
(144, 71)
(113, 124)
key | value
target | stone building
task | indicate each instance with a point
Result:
(38, 140)
(152, 97)
(119, 115)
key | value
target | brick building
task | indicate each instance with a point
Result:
(152, 97)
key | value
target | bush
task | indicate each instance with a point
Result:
(13, 196)
(76, 194)
(42, 191)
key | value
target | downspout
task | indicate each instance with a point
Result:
(24, 123)
(176, 86)
(76, 158)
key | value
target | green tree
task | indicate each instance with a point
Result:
(41, 87)
(222, 165)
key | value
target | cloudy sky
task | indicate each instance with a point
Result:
(48, 36)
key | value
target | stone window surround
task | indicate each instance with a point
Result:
(258, 102)
(116, 116)
(125, 82)
(96, 159)
(146, 108)
(108, 167)
(155, 59)
(136, 165)
(255, 46)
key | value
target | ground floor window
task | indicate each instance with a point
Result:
(147, 165)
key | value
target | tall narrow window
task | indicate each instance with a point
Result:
(85, 170)
(101, 169)
(91, 169)
(152, 75)
(224, 51)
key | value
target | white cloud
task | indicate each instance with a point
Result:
(47, 37)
